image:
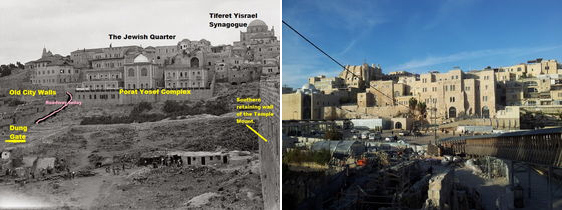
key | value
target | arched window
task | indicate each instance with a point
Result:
(452, 112)
(195, 62)
(144, 72)
(398, 125)
(131, 73)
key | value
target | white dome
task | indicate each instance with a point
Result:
(140, 59)
(308, 86)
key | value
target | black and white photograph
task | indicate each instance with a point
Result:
(140, 104)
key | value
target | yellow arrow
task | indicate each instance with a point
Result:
(256, 133)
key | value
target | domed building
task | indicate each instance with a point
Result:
(140, 59)
(257, 31)
(142, 74)
(308, 89)
(257, 26)
(259, 42)
(307, 103)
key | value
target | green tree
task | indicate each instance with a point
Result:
(422, 108)
(321, 157)
(413, 103)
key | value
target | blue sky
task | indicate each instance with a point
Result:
(417, 36)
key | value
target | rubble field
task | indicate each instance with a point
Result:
(91, 152)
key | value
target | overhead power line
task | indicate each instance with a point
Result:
(335, 61)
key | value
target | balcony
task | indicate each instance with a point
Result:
(544, 95)
(532, 95)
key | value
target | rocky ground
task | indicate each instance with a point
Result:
(82, 146)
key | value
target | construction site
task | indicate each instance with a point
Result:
(514, 170)
(82, 158)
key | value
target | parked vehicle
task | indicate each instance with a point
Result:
(404, 133)
(365, 135)
(374, 136)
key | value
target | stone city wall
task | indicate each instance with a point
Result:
(269, 151)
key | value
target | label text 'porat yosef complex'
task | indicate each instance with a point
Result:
(154, 92)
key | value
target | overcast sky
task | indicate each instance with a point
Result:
(63, 26)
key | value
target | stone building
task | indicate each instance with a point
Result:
(360, 76)
(186, 77)
(448, 96)
(188, 71)
(107, 65)
(143, 74)
(451, 94)
(307, 103)
(188, 64)
(327, 84)
(53, 70)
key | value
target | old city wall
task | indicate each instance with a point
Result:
(439, 192)
(269, 151)
(353, 111)
(499, 123)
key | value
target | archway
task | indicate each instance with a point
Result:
(452, 112)
(485, 112)
(398, 125)
(194, 62)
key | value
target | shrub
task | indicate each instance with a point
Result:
(299, 156)
(15, 102)
(141, 107)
